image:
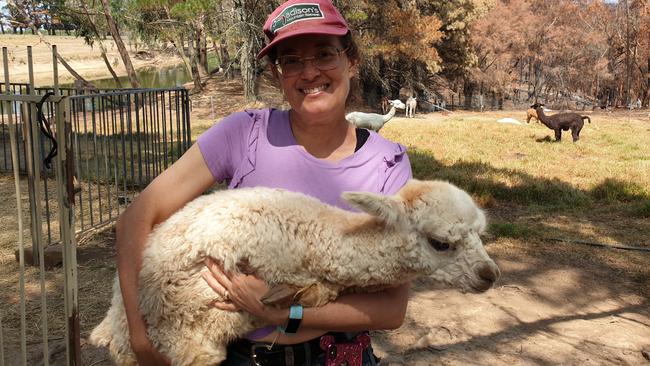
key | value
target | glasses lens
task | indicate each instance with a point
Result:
(327, 58)
(290, 65)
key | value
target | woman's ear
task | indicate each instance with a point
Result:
(353, 67)
(274, 71)
(276, 76)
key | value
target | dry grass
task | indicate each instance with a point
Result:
(596, 190)
(84, 59)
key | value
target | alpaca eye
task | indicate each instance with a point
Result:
(439, 246)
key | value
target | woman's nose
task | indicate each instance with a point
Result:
(309, 70)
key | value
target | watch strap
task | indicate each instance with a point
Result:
(295, 318)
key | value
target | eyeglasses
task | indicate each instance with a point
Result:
(326, 58)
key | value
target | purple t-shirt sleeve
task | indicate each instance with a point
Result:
(223, 145)
(399, 174)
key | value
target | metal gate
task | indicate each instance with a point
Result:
(79, 159)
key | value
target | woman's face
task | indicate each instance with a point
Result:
(313, 91)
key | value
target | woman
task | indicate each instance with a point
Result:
(310, 149)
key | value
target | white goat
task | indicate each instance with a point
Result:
(411, 103)
(309, 252)
(374, 121)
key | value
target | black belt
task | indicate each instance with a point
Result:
(261, 354)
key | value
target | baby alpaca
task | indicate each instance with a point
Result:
(307, 251)
(561, 121)
(531, 113)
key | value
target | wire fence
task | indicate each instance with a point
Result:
(122, 140)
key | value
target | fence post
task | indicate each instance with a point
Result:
(19, 208)
(65, 193)
(33, 165)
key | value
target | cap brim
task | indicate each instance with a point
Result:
(330, 31)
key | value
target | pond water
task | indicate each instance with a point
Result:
(150, 77)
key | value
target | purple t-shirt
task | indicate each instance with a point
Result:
(257, 148)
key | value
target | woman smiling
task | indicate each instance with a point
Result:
(311, 149)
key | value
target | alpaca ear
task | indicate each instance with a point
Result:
(386, 208)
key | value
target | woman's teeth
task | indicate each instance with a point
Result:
(314, 90)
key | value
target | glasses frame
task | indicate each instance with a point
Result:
(303, 61)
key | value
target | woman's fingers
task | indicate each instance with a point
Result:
(218, 273)
(227, 306)
(213, 283)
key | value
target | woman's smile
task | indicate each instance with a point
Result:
(315, 90)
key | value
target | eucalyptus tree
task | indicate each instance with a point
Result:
(90, 23)
(178, 23)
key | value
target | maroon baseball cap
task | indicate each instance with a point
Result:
(296, 17)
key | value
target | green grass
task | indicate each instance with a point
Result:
(509, 230)
(643, 210)
(597, 189)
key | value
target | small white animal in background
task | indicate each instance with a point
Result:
(411, 103)
(374, 121)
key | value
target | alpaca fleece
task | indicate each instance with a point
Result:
(307, 251)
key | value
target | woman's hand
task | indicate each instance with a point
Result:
(147, 355)
(242, 292)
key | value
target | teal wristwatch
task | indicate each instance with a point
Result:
(295, 317)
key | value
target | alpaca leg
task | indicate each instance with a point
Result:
(575, 133)
(558, 134)
(195, 341)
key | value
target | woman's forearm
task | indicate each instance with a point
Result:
(356, 312)
(130, 245)
(349, 313)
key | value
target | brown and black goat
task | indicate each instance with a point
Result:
(561, 121)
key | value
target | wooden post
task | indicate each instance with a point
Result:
(34, 168)
(38, 247)
(65, 192)
(19, 209)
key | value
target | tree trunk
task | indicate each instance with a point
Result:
(247, 66)
(179, 44)
(101, 45)
(115, 33)
(224, 56)
(225, 59)
(202, 46)
(196, 75)
(628, 58)
(200, 56)
(648, 81)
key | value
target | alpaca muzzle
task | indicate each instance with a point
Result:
(486, 274)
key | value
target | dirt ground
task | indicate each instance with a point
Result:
(84, 59)
(556, 303)
(551, 307)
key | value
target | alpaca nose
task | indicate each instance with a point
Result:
(489, 272)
